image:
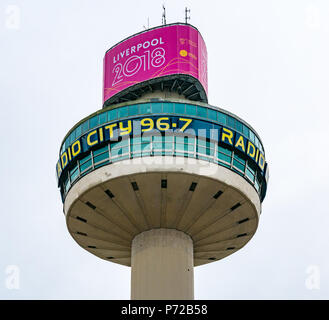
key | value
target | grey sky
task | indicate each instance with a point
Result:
(268, 64)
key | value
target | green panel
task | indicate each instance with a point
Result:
(133, 110)
(168, 107)
(78, 131)
(238, 165)
(156, 107)
(245, 130)
(85, 126)
(144, 108)
(238, 126)
(122, 112)
(252, 136)
(222, 118)
(180, 108)
(224, 150)
(112, 114)
(103, 118)
(190, 110)
(231, 122)
(84, 166)
(223, 157)
(93, 122)
(101, 150)
(101, 157)
(202, 112)
(212, 114)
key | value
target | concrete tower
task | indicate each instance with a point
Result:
(158, 179)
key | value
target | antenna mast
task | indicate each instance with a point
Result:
(186, 14)
(164, 22)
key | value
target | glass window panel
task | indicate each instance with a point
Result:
(122, 112)
(252, 136)
(85, 126)
(201, 142)
(136, 148)
(250, 175)
(238, 126)
(84, 166)
(101, 157)
(201, 150)
(179, 108)
(74, 175)
(179, 139)
(168, 146)
(133, 110)
(157, 138)
(212, 114)
(112, 114)
(245, 131)
(221, 118)
(88, 157)
(179, 146)
(202, 112)
(156, 107)
(169, 138)
(239, 157)
(238, 165)
(190, 110)
(144, 108)
(103, 118)
(101, 150)
(78, 132)
(224, 150)
(157, 145)
(168, 107)
(136, 140)
(93, 122)
(230, 122)
(223, 157)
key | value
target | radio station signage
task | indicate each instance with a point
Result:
(168, 50)
(115, 131)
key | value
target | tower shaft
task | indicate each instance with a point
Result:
(162, 265)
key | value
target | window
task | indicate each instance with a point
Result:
(212, 114)
(190, 110)
(85, 126)
(156, 107)
(168, 107)
(103, 118)
(245, 130)
(133, 110)
(145, 108)
(179, 108)
(202, 112)
(230, 122)
(221, 118)
(122, 112)
(238, 126)
(93, 122)
(78, 131)
(112, 115)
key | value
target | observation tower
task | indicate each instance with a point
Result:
(158, 179)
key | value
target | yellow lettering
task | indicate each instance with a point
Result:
(227, 135)
(64, 162)
(76, 152)
(101, 136)
(127, 130)
(261, 161)
(69, 152)
(92, 133)
(240, 143)
(251, 154)
(110, 128)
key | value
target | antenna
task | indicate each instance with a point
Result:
(148, 24)
(186, 16)
(164, 15)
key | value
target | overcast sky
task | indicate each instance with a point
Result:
(268, 64)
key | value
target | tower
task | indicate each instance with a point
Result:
(158, 179)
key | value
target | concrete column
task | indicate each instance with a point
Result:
(162, 265)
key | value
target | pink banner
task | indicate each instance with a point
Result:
(168, 50)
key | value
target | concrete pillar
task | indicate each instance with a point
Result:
(162, 265)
